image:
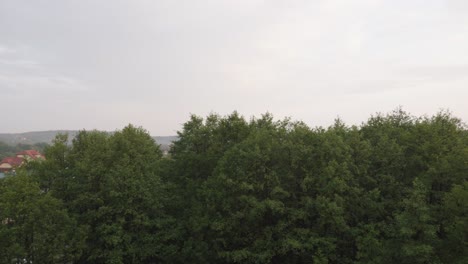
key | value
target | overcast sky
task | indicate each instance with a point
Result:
(103, 64)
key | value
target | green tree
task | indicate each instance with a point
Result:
(111, 185)
(454, 248)
(35, 227)
(193, 158)
(417, 231)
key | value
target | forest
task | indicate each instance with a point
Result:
(234, 190)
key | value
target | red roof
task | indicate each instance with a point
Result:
(13, 161)
(31, 153)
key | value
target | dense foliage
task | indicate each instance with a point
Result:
(393, 190)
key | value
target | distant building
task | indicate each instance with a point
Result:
(30, 154)
(11, 163)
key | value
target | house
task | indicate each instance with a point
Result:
(10, 163)
(30, 154)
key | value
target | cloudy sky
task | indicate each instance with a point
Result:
(89, 64)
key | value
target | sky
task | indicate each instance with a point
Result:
(102, 64)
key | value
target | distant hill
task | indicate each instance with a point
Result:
(47, 137)
(34, 137)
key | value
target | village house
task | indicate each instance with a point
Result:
(30, 155)
(9, 164)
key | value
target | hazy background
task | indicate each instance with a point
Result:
(103, 64)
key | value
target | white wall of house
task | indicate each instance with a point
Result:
(5, 166)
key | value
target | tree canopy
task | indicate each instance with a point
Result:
(231, 190)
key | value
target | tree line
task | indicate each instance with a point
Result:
(231, 190)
